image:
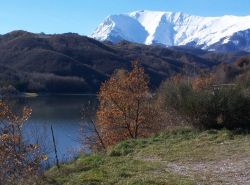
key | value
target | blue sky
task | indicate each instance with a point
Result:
(83, 16)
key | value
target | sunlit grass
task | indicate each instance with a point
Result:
(146, 161)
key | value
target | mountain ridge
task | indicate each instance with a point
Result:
(176, 29)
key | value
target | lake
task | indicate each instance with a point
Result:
(63, 112)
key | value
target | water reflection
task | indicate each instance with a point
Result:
(63, 113)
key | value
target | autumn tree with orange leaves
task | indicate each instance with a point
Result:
(203, 82)
(125, 110)
(18, 160)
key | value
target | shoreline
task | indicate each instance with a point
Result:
(34, 95)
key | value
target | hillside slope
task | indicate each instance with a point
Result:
(177, 157)
(70, 63)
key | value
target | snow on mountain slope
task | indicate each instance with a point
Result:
(121, 27)
(171, 29)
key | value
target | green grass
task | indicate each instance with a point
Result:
(169, 158)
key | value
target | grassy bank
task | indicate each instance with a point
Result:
(176, 157)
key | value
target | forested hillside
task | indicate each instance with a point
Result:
(70, 63)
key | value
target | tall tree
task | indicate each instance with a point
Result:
(125, 110)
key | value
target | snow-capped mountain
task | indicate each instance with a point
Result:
(177, 29)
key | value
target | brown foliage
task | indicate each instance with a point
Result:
(243, 62)
(202, 82)
(18, 161)
(125, 110)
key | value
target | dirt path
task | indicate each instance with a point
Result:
(231, 171)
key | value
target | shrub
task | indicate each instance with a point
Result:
(206, 108)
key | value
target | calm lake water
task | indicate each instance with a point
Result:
(63, 112)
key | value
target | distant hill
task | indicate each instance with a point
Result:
(70, 63)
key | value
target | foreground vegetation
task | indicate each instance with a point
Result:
(128, 110)
(176, 157)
